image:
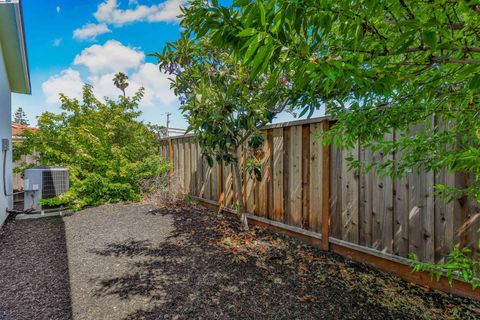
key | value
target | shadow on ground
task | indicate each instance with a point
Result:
(34, 275)
(203, 271)
(134, 261)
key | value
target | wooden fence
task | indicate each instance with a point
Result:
(307, 189)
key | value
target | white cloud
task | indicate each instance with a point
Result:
(109, 12)
(111, 57)
(57, 42)
(57, 8)
(156, 84)
(67, 82)
(102, 62)
(103, 85)
(90, 31)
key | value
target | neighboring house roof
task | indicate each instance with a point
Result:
(12, 43)
(18, 129)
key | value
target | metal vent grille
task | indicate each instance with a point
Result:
(55, 182)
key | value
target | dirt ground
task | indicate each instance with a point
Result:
(140, 262)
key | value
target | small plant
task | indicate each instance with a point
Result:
(459, 263)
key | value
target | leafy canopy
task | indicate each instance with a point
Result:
(409, 67)
(377, 66)
(107, 151)
(223, 105)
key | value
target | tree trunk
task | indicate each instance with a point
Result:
(238, 187)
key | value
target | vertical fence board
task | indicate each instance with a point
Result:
(249, 192)
(350, 198)
(366, 200)
(382, 206)
(336, 163)
(444, 224)
(188, 165)
(295, 176)
(305, 158)
(262, 190)
(194, 159)
(278, 174)
(214, 181)
(199, 176)
(269, 172)
(175, 158)
(316, 177)
(207, 171)
(416, 203)
(228, 185)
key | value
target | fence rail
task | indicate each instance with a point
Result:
(307, 185)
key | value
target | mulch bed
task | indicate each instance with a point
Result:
(141, 262)
(34, 270)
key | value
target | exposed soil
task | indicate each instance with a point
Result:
(141, 262)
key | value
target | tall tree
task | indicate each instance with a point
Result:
(20, 117)
(377, 67)
(223, 105)
(120, 81)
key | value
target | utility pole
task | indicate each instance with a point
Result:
(168, 123)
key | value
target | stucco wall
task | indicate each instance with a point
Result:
(5, 132)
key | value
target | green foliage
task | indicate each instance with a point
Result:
(412, 67)
(108, 152)
(20, 117)
(458, 263)
(223, 105)
(377, 66)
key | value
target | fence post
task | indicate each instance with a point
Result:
(170, 146)
(326, 192)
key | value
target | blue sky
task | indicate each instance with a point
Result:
(73, 42)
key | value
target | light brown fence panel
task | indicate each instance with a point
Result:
(336, 163)
(392, 216)
(278, 192)
(215, 187)
(349, 198)
(228, 186)
(294, 172)
(315, 161)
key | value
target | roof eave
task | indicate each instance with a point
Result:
(14, 46)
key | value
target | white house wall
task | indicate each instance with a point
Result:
(5, 132)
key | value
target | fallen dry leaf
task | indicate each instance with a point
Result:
(305, 299)
(239, 259)
(303, 267)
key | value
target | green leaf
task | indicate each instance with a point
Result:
(241, 3)
(304, 111)
(475, 82)
(248, 32)
(210, 161)
(258, 60)
(252, 48)
(261, 8)
(430, 39)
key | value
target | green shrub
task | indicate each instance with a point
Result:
(107, 150)
(459, 263)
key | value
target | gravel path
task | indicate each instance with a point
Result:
(93, 238)
(139, 262)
